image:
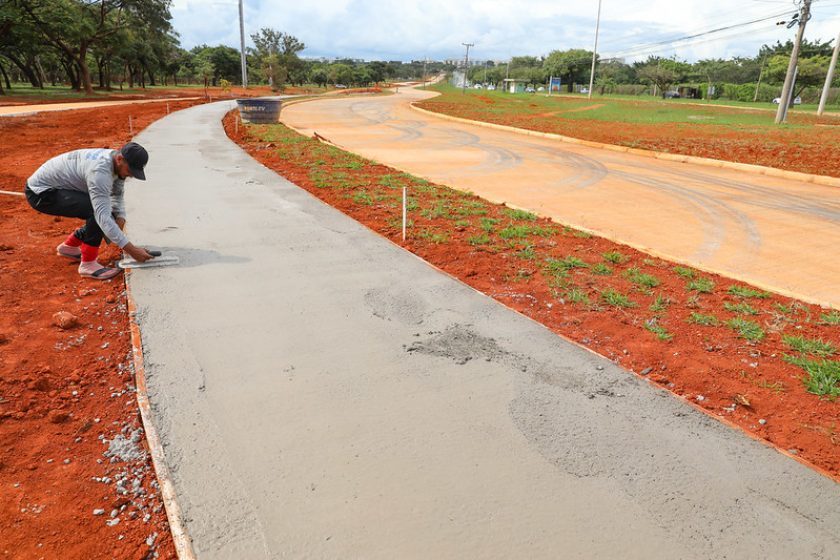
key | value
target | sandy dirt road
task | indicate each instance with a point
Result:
(771, 232)
(322, 393)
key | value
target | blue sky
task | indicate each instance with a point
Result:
(409, 29)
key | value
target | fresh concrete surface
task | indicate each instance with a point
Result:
(322, 393)
(775, 233)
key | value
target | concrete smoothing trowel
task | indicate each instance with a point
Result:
(159, 259)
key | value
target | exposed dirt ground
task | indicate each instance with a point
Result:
(11, 98)
(565, 280)
(67, 394)
(809, 146)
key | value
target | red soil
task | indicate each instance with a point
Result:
(64, 393)
(743, 383)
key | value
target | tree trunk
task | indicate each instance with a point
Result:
(84, 71)
(26, 69)
(100, 66)
(42, 76)
(5, 77)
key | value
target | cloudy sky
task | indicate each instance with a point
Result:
(416, 29)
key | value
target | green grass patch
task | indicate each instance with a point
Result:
(527, 253)
(601, 269)
(520, 214)
(482, 239)
(658, 330)
(641, 279)
(435, 237)
(565, 264)
(832, 318)
(616, 299)
(576, 295)
(743, 308)
(810, 346)
(702, 285)
(439, 210)
(744, 292)
(362, 197)
(660, 304)
(748, 330)
(615, 257)
(705, 320)
(685, 272)
(487, 224)
(522, 231)
(823, 375)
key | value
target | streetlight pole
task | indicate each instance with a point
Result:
(594, 52)
(466, 65)
(804, 16)
(829, 77)
(242, 47)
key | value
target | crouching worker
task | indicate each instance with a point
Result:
(88, 184)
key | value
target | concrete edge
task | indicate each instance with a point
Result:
(708, 162)
(691, 403)
(180, 537)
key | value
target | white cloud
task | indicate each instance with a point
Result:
(412, 29)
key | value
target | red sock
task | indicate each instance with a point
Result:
(73, 241)
(89, 252)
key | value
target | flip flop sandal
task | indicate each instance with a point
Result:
(68, 255)
(103, 273)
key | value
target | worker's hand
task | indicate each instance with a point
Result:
(139, 254)
(120, 223)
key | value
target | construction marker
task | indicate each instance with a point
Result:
(404, 211)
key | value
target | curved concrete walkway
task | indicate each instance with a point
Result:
(322, 393)
(772, 232)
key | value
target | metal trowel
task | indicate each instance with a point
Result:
(159, 259)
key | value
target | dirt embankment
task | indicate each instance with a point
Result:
(76, 479)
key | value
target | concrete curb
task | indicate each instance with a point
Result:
(755, 169)
(182, 541)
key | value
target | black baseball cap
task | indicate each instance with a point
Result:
(137, 158)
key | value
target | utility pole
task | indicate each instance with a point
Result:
(760, 73)
(594, 52)
(829, 77)
(242, 47)
(466, 65)
(804, 16)
(425, 61)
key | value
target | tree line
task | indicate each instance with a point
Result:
(742, 78)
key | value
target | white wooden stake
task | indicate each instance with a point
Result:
(404, 212)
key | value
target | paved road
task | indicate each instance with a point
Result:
(775, 233)
(321, 393)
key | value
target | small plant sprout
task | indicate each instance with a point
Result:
(601, 269)
(685, 272)
(748, 330)
(705, 320)
(823, 375)
(641, 279)
(743, 308)
(701, 285)
(831, 318)
(658, 330)
(660, 304)
(744, 292)
(515, 214)
(615, 257)
(576, 295)
(616, 298)
(810, 346)
(482, 239)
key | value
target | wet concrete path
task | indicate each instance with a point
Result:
(321, 393)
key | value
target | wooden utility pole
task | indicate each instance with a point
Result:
(804, 16)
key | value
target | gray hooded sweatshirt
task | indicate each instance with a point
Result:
(90, 171)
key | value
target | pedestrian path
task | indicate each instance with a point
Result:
(321, 393)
